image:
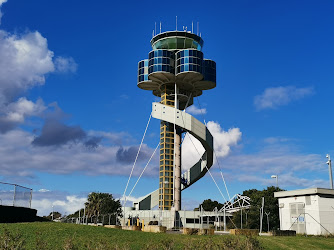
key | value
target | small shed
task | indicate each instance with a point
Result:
(307, 211)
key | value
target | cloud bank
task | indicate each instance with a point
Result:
(277, 157)
(25, 61)
(67, 158)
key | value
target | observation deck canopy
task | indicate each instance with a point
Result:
(177, 58)
(177, 40)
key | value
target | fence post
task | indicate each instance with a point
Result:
(30, 197)
(14, 194)
(224, 219)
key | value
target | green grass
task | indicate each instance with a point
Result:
(44, 235)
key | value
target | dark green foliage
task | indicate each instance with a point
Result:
(209, 205)
(102, 203)
(56, 215)
(253, 214)
(76, 214)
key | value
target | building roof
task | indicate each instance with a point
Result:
(301, 192)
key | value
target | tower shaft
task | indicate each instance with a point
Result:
(170, 171)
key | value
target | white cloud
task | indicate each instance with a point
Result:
(284, 181)
(196, 111)
(130, 200)
(272, 98)
(43, 190)
(17, 111)
(192, 149)
(113, 138)
(61, 202)
(25, 60)
(1, 3)
(294, 168)
(273, 140)
(223, 140)
(65, 64)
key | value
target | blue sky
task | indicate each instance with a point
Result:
(72, 117)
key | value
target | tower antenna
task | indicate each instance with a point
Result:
(176, 24)
(192, 27)
(197, 27)
(160, 27)
(155, 28)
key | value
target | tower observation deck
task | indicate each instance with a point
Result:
(176, 71)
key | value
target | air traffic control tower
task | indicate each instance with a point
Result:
(176, 71)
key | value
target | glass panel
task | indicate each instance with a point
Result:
(172, 43)
(180, 43)
(188, 43)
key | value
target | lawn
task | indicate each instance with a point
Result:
(47, 235)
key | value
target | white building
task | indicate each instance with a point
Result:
(309, 211)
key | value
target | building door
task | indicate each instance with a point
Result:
(297, 217)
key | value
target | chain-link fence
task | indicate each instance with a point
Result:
(15, 195)
(105, 219)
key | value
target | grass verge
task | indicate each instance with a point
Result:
(44, 235)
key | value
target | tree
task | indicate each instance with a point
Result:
(209, 205)
(56, 215)
(253, 214)
(76, 214)
(102, 204)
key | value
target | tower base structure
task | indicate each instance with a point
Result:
(176, 219)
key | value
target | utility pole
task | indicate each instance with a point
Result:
(261, 214)
(329, 162)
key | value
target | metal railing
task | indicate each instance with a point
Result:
(15, 195)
